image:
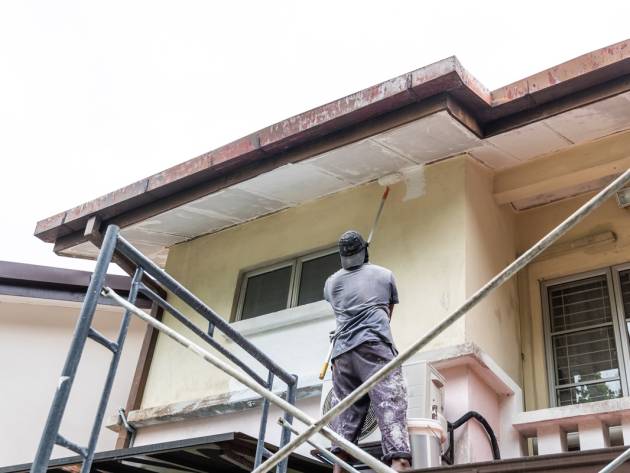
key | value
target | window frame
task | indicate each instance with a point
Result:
(621, 342)
(621, 315)
(295, 263)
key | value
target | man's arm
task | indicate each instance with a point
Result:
(393, 299)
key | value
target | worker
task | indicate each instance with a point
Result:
(362, 296)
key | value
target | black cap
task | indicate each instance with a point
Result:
(351, 243)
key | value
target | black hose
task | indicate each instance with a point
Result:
(449, 455)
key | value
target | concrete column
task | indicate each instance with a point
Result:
(551, 439)
(593, 434)
(625, 428)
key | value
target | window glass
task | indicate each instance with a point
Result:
(589, 393)
(314, 275)
(583, 345)
(267, 292)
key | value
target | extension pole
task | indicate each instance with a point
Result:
(378, 214)
(322, 371)
(348, 446)
(518, 264)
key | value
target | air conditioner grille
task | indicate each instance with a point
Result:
(369, 424)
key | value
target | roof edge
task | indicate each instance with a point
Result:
(446, 76)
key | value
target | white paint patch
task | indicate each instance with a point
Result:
(414, 181)
(391, 179)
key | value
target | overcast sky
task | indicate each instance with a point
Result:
(95, 95)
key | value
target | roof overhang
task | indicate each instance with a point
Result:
(22, 282)
(427, 115)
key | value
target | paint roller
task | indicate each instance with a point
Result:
(413, 177)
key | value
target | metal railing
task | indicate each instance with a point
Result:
(146, 271)
(114, 241)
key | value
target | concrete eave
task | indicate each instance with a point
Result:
(482, 111)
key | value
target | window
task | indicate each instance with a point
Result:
(586, 336)
(288, 284)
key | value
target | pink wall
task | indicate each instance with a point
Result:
(466, 391)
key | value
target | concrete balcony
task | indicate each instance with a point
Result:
(591, 423)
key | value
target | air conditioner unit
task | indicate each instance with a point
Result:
(426, 398)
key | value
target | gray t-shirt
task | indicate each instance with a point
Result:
(360, 298)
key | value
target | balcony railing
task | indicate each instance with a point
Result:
(554, 428)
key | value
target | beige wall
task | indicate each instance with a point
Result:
(34, 338)
(490, 246)
(422, 241)
(532, 225)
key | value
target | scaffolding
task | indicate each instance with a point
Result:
(149, 274)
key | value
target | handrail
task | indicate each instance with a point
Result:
(200, 333)
(148, 271)
(200, 307)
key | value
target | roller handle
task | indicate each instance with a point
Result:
(378, 214)
(322, 372)
(386, 193)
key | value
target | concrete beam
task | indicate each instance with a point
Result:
(551, 439)
(593, 434)
(625, 428)
(573, 167)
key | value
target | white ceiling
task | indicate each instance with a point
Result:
(428, 139)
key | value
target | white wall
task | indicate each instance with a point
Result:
(34, 338)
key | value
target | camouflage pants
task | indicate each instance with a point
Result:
(388, 398)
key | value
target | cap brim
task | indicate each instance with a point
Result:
(353, 260)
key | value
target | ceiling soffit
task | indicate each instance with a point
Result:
(427, 139)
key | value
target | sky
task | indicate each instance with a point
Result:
(96, 95)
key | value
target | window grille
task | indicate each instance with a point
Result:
(582, 341)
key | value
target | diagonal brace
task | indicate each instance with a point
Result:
(346, 445)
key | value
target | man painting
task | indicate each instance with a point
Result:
(362, 296)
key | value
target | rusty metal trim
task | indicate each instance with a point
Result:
(491, 111)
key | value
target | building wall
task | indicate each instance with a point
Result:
(246, 421)
(34, 338)
(422, 241)
(494, 324)
(532, 225)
